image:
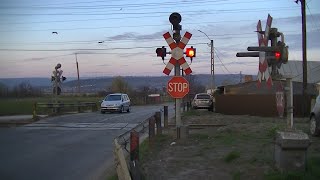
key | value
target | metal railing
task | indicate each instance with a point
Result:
(128, 144)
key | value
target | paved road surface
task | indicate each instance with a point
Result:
(71, 147)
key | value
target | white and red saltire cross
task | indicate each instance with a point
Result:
(263, 64)
(177, 53)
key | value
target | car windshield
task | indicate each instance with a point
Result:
(203, 96)
(113, 98)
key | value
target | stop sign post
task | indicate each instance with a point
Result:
(178, 87)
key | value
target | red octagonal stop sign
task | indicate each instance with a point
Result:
(178, 87)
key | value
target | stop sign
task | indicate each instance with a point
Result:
(178, 87)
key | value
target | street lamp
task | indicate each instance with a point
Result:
(212, 82)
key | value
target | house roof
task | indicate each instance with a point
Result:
(294, 68)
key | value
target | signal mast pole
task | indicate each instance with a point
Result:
(175, 19)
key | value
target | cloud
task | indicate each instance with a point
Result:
(104, 65)
(136, 36)
(294, 41)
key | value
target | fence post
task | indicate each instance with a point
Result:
(134, 145)
(34, 113)
(151, 129)
(188, 106)
(158, 122)
(165, 114)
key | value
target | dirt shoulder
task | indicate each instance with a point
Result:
(242, 149)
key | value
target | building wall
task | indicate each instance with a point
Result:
(256, 105)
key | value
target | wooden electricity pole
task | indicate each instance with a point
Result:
(304, 56)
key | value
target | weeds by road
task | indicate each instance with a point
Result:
(243, 149)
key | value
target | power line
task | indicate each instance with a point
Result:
(129, 6)
(146, 13)
(310, 70)
(104, 19)
(222, 62)
(125, 40)
(93, 49)
(313, 20)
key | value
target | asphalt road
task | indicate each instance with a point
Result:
(72, 147)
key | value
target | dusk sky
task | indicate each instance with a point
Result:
(130, 31)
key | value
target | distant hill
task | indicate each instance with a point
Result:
(101, 83)
(38, 82)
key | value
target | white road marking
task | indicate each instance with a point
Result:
(80, 126)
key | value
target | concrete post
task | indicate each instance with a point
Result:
(289, 94)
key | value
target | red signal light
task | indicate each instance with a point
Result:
(277, 55)
(191, 52)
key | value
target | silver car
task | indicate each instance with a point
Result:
(315, 118)
(202, 101)
(117, 102)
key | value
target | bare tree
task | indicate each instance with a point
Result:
(25, 89)
(119, 85)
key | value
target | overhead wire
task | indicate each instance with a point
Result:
(222, 62)
(87, 49)
(124, 40)
(209, 11)
(145, 5)
(313, 19)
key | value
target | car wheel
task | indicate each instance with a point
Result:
(314, 127)
(128, 110)
(121, 109)
(102, 112)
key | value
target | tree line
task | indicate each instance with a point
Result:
(118, 85)
(24, 89)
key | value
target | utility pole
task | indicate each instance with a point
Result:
(304, 55)
(212, 67)
(78, 74)
(212, 82)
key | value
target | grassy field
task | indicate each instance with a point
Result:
(23, 106)
(243, 149)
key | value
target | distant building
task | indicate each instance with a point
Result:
(247, 98)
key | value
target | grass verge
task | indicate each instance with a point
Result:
(23, 106)
(231, 156)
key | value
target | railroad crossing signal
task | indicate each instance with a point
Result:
(269, 56)
(178, 87)
(263, 42)
(177, 53)
(57, 78)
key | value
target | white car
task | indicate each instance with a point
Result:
(202, 101)
(117, 102)
(315, 118)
